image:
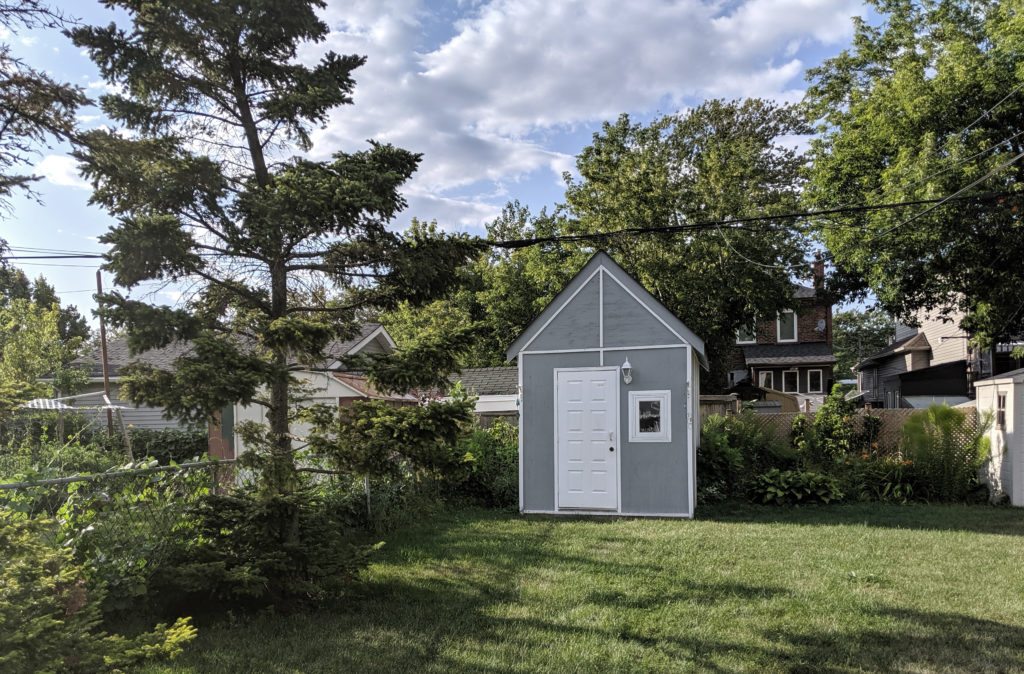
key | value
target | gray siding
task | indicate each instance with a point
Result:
(136, 417)
(628, 323)
(575, 326)
(537, 423)
(655, 475)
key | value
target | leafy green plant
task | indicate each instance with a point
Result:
(946, 452)
(490, 475)
(50, 609)
(879, 478)
(719, 464)
(833, 428)
(789, 487)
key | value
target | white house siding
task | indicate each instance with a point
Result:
(1005, 467)
(945, 350)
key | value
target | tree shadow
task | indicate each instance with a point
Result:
(976, 518)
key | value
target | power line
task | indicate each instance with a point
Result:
(733, 222)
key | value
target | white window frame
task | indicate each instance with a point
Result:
(778, 327)
(796, 373)
(760, 378)
(665, 398)
(753, 331)
(821, 382)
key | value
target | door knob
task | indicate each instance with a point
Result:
(611, 449)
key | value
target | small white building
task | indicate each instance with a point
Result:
(1002, 397)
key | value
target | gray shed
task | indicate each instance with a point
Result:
(609, 419)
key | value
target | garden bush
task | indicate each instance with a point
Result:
(732, 451)
(791, 487)
(50, 609)
(945, 451)
(490, 475)
(170, 444)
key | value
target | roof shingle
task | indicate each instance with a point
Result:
(812, 353)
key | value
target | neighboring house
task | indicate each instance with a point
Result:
(933, 363)
(118, 356)
(330, 382)
(791, 352)
(609, 422)
(1001, 398)
(496, 390)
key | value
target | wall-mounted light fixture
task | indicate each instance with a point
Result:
(627, 372)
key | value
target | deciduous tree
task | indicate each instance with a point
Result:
(927, 103)
(858, 334)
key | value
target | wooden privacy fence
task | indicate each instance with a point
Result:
(888, 436)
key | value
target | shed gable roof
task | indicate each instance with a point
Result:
(601, 262)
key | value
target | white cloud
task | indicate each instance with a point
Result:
(487, 103)
(29, 41)
(61, 170)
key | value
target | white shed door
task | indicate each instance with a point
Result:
(586, 427)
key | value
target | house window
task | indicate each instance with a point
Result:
(787, 326)
(814, 384)
(765, 380)
(747, 334)
(650, 418)
(1001, 411)
(790, 379)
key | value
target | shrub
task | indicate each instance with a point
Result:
(50, 612)
(719, 463)
(251, 551)
(833, 429)
(879, 478)
(788, 487)
(491, 473)
(733, 450)
(945, 452)
(169, 444)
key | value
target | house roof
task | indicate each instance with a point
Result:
(801, 292)
(1015, 375)
(486, 381)
(915, 342)
(119, 355)
(363, 386)
(811, 353)
(600, 260)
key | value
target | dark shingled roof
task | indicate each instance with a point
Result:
(916, 342)
(119, 356)
(488, 381)
(813, 353)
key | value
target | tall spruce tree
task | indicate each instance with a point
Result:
(203, 189)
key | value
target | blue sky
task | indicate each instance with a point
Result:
(498, 95)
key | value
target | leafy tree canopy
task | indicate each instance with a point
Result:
(858, 334)
(203, 189)
(925, 104)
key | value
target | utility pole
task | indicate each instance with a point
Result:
(103, 358)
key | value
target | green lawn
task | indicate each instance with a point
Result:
(836, 589)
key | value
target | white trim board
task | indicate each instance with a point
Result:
(606, 513)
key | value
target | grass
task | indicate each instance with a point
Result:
(743, 588)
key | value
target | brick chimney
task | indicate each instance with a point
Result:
(819, 272)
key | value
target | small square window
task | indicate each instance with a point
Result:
(1001, 411)
(650, 416)
(787, 326)
(814, 384)
(790, 379)
(765, 379)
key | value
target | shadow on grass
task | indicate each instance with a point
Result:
(469, 595)
(976, 519)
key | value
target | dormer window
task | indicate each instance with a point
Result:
(747, 334)
(787, 326)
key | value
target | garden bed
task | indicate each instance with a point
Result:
(742, 588)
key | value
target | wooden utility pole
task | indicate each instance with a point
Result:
(103, 358)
